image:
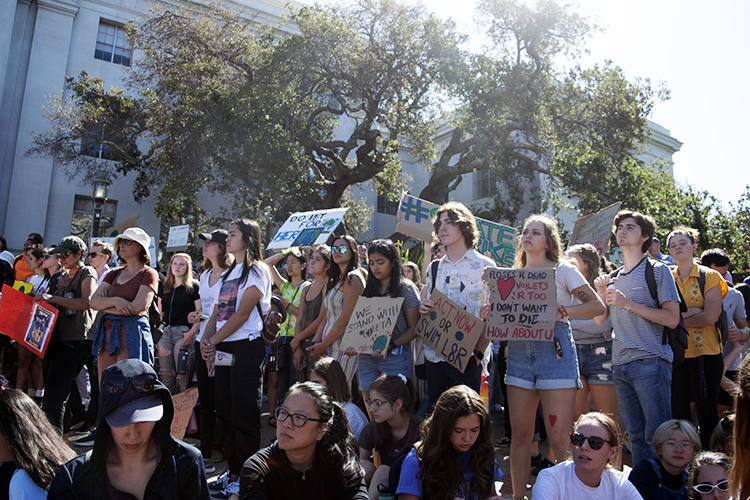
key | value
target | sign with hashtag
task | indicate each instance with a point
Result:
(496, 241)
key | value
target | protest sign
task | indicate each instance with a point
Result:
(307, 228)
(371, 325)
(415, 217)
(27, 322)
(450, 330)
(522, 303)
(178, 238)
(23, 287)
(183, 408)
(595, 229)
(122, 226)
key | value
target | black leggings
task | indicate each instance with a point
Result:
(65, 361)
(697, 380)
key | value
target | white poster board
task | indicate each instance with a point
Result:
(371, 325)
(307, 228)
(595, 228)
(178, 238)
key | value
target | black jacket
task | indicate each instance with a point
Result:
(179, 472)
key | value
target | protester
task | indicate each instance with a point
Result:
(412, 273)
(70, 344)
(314, 455)
(30, 445)
(235, 328)
(20, 266)
(385, 279)
(124, 299)
(99, 256)
(393, 430)
(663, 478)
(455, 458)
(709, 477)
(594, 443)
(134, 455)
(654, 251)
(345, 284)
(546, 371)
(179, 297)
(697, 380)
(35, 256)
(281, 373)
(216, 261)
(328, 373)
(740, 474)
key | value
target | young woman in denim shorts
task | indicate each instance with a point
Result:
(542, 369)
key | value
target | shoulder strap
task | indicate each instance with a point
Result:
(651, 281)
(434, 269)
(702, 280)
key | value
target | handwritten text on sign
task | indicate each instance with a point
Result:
(183, 407)
(522, 303)
(371, 325)
(595, 229)
(307, 228)
(450, 330)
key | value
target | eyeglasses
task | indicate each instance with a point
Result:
(685, 445)
(707, 488)
(372, 403)
(125, 241)
(340, 249)
(595, 442)
(91, 255)
(298, 419)
(142, 383)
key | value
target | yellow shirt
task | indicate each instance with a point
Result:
(706, 339)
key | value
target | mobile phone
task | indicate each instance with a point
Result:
(203, 316)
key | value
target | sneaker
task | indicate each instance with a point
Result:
(231, 489)
(545, 464)
(503, 442)
(220, 483)
(87, 440)
(209, 465)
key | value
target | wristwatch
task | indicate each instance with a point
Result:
(478, 354)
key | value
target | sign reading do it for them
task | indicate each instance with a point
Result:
(522, 303)
(307, 228)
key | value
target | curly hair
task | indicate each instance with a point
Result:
(707, 458)
(440, 467)
(460, 215)
(551, 234)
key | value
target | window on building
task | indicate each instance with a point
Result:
(386, 206)
(485, 184)
(92, 219)
(112, 45)
(92, 147)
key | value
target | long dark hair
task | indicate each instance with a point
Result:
(334, 272)
(387, 249)
(740, 474)
(253, 253)
(330, 370)
(440, 468)
(39, 253)
(337, 449)
(36, 446)
(394, 388)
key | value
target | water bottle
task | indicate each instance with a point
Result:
(182, 361)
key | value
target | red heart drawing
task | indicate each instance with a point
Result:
(505, 287)
(552, 420)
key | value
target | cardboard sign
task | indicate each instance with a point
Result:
(496, 241)
(27, 322)
(522, 303)
(371, 325)
(122, 226)
(23, 287)
(595, 229)
(178, 238)
(183, 408)
(450, 330)
(307, 228)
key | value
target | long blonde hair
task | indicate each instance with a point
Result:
(188, 281)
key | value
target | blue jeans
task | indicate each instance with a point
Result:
(644, 396)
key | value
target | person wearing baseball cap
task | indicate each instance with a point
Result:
(217, 236)
(135, 417)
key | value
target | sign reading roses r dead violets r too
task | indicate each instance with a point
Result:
(522, 303)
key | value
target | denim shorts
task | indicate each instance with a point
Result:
(369, 368)
(595, 362)
(535, 365)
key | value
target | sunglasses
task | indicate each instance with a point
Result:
(340, 249)
(64, 255)
(298, 419)
(142, 383)
(126, 242)
(707, 488)
(91, 255)
(595, 443)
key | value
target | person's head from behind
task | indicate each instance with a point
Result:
(722, 439)
(391, 396)
(328, 373)
(540, 233)
(454, 223)
(708, 479)
(594, 442)
(676, 442)
(717, 259)
(587, 261)
(28, 439)
(634, 229)
(3, 244)
(384, 265)
(33, 239)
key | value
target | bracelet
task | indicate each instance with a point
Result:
(563, 312)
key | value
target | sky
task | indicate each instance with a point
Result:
(700, 51)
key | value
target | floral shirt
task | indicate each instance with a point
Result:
(294, 297)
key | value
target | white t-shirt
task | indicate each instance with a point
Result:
(230, 296)
(561, 483)
(208, 295)
(567, 279)
(734, 305)
(23, 488)
(39, 283)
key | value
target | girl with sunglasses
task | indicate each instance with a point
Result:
(393, 430)
(314, 455)
(594, 444)
(456, 458)
(345, 285)
(709, 475)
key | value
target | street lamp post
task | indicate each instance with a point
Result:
(101, 185)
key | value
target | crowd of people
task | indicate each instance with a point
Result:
(401, 422)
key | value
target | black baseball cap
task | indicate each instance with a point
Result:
(218, 236)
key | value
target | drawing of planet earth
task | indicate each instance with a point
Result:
(380, 343)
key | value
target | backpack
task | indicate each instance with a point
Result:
(272, 321)
(722, 324)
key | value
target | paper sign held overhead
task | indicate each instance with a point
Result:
(595, 229)
(178, 238)
(522, 303)
(415, 217)
(450, 331)
(371, 325)
(307, 228)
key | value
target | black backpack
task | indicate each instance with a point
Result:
(722, 324)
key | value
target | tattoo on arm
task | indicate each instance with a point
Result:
(584, 296)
